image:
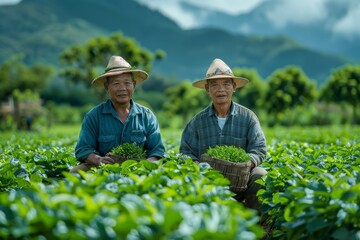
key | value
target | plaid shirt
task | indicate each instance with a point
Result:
(241, 129)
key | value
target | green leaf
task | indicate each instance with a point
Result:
(172, 220)
(317, 224)
(278, 199)
(341, 233)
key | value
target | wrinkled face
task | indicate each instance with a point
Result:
(120, 88)
(220, 90)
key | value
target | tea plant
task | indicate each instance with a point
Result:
(130, 151)
(162, 200)
(229, 153)
(311, 191)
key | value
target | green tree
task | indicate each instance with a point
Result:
(84, 62)
(152, 91)
(157, 83)
(344, 86)
(23, 85)
(252, 94)
(15, 75)
(287, 88)
(185, 100)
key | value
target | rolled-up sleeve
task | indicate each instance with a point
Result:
(256, 147)
(189, 142)
(154, 146)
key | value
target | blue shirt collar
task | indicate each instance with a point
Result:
(109, 108)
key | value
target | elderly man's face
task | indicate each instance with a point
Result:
(220, 90)
(121, 88)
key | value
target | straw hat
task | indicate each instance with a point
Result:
(219, 69)
(117, 65)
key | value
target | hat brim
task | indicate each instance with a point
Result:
(138, 75)
(239, 81)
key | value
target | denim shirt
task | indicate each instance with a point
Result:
(241, 129)
(102, 130)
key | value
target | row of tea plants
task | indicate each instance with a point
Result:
(172, 198)
(311, 191)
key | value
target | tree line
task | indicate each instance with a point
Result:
(285, 97)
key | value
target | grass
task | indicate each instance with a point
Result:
(314, 134)
(65, 129)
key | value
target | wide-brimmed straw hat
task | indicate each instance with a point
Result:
(219, 69)
(117, 65)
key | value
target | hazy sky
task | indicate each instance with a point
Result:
(289, 11)
(8, 1)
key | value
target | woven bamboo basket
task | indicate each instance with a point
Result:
(237, 173)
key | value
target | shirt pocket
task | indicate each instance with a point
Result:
(106, 143)
(138, 138)
(238, 142)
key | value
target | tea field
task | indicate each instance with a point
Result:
(311, 191)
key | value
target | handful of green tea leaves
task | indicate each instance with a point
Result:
(129, 151)
(229, 153)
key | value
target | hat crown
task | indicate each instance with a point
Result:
(117, 62)
(218, 67)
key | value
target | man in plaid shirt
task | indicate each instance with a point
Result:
(226, 123)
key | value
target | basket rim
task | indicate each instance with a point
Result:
(207, 158)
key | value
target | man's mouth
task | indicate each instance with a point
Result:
(121, 95)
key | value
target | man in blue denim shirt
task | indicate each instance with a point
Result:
(118, 120)
(226, 123)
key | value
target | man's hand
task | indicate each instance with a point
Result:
(252, 166)
(97, 160)
(152, 159)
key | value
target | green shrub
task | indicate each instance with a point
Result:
(129, 150)
(229, 153)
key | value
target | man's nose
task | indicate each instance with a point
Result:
(122, 86)
(221, 87)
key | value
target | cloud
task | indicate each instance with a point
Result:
(228, 6)
(348, 25)
(9, 2)
(302, 12)
(173, 10)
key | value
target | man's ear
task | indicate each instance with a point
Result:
(106, 83)
(207, 87)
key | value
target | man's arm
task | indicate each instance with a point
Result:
(154, 146)
(256, 147)
(87, 140)
(189, 142)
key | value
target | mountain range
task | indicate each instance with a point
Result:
(42, 29)
(328, 25)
